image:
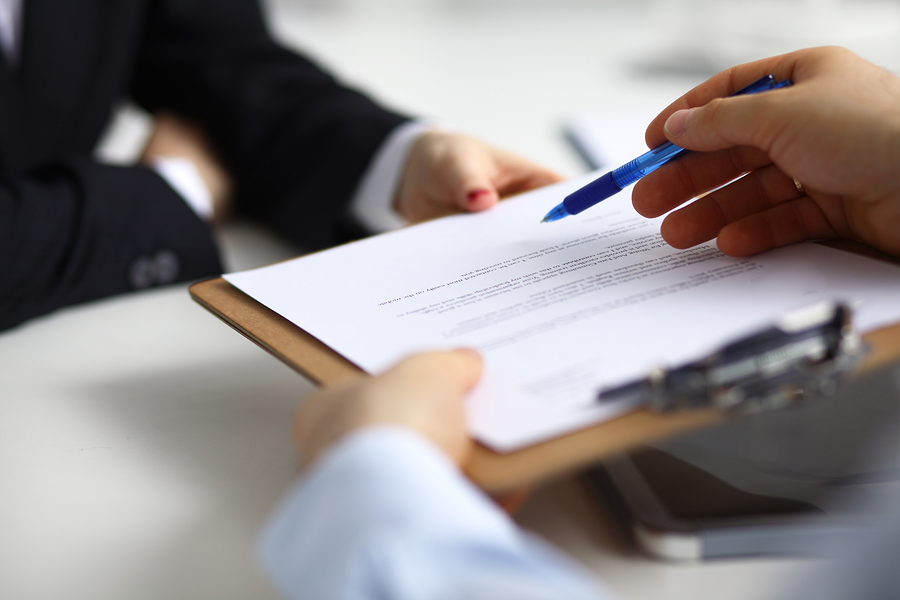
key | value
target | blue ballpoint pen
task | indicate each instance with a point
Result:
(618, 179)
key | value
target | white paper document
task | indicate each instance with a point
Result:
(559, 310)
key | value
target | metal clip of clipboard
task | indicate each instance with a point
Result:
(808, 353)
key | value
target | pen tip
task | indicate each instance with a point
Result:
(556, 213)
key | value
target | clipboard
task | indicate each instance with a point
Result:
(497, 474)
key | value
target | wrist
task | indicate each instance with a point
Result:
(374, 203)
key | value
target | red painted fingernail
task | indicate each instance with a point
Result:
(475, 194)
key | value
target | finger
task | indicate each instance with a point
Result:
(692, 175)
(444, 373)
(480, 198)
(487, 177)
(722, 85)
(471, 183)
(702, 220)
(754, 120)
(426, 393)
(517, 174)
(785, 224)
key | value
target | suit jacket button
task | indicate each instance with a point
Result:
(141, 273)
(166, 266)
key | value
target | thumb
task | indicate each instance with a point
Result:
(471, 186)
(723, 123)
(426, 393)
(450, 373)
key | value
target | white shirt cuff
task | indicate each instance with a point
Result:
(372, 204)
(182, 176)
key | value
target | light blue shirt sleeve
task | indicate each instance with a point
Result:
(386, 515)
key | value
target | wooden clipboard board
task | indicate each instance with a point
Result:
(496, 473)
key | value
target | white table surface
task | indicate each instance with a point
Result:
(142, 442)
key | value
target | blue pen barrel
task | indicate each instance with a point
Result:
(646, 163)
(596, 191)
(616, 180)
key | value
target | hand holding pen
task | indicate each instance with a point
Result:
(836, 133)
(618, 179)
(820, 160)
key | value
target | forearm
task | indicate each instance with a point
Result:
(295, 140)
(77, 231)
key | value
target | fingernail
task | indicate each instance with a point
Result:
(676, 124)
(476, 194)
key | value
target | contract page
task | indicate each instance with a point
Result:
(559, 310)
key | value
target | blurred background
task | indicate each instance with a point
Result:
(516, 72)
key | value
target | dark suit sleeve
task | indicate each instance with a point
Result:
(72, 230)
(297, 141)
(77, 231)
